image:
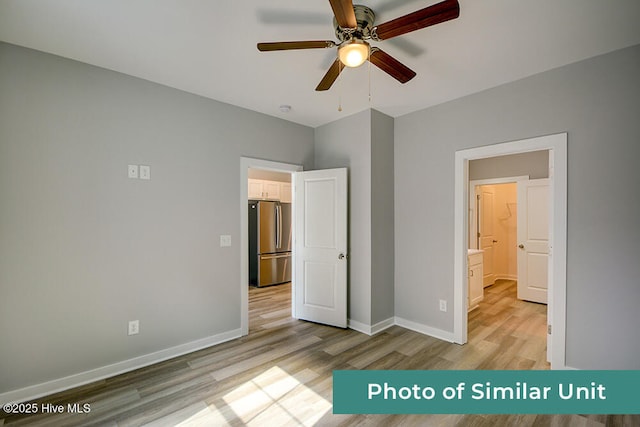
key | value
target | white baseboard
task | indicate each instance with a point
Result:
(82, 378)
(370, 329)
(381, 326)
(359, 326)
(424, 329)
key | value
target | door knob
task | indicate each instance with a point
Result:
(341, 256)
(521, 246)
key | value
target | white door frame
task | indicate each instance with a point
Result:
(247, 163)
(557, 146)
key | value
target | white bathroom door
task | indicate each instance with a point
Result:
(533, 239)
(320, 285)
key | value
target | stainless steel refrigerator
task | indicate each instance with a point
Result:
(269, 243)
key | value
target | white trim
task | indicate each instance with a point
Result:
(82, 378)
(425, 329)
(359, 326)
(381, 326)
(370, 329)
(245, 164)
(557, 144)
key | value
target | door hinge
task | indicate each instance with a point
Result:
(478, 234)
(548, 329)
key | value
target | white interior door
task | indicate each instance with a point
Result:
(533, 239)
(320, 285)
(486, 234)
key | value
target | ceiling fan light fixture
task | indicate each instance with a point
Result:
(355, 23)
(353, 53)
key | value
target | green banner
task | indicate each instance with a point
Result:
(486, 392)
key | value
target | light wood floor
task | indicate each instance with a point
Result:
(281, 373)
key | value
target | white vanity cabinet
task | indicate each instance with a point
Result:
(476, 291)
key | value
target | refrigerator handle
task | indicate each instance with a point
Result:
(279, 244)
(277, 211)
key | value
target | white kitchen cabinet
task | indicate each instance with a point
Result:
(255, 189)
(285, 192)
(271, 190)
(261, 189)
(476, 291)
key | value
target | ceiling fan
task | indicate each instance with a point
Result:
(354, 25)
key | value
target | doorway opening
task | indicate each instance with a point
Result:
(319, 236)
(493, 225)
(264, 170)
(556, 309)
(497, 271)
(270, 247)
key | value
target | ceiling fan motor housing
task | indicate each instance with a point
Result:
(365, 18)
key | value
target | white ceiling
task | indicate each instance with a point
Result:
(208, 47)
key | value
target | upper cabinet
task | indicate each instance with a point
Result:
(255, 189)
(285, 192)
(271, 190)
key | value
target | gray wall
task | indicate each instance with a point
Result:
(363, 142)
(84, 249)
(347, 143)
(596, 102)
(535, 164)
(382, 251)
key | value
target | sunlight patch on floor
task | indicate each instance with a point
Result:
(277, 398)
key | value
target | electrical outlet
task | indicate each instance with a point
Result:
(443, 305)
(134, 327)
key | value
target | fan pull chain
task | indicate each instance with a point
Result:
(340, 88)
(369, 71)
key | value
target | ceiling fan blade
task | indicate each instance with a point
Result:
(343, 11)
(331, 76)
(316, 44)
(391, 66)
(435, 14)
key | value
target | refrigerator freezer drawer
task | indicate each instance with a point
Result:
(274, 269)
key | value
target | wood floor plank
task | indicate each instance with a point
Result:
(262, 358)
(281, 373)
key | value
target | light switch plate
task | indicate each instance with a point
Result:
(145, 172)
(133, 171)
(225, 240)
